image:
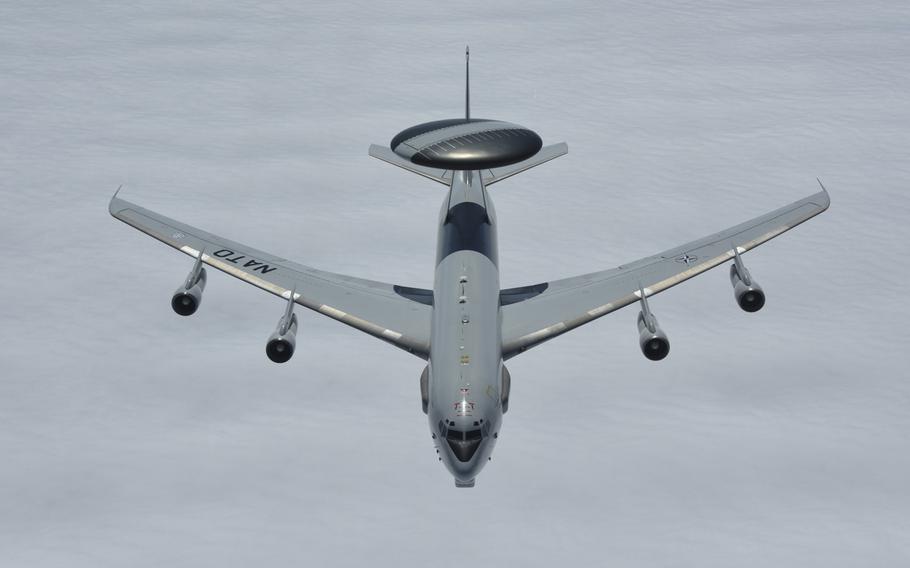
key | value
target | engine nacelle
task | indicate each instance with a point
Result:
(280, 347)
(747, 292)
(187, 298)
(652, 340)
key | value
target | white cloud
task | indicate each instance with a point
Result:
(133, 437)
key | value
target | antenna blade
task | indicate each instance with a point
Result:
(467, 82)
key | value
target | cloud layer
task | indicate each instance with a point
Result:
(134, 437)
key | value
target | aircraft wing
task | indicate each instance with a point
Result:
(566, 304)
(372, 307)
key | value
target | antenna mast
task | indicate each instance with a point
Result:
(467, 82)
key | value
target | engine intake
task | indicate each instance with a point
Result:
(749, 295)
(280, 347)
(187, 298)
(651, 338)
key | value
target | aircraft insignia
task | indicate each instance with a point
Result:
(687, 259)
(253, 264)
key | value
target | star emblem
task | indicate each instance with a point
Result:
(687, 259)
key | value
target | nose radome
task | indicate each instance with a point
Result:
(464, 450)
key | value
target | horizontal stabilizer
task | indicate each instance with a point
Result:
(546, 154)
(387, 155)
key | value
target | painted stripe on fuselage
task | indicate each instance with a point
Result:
(467, 227)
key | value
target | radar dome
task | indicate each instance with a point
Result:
(466, 144)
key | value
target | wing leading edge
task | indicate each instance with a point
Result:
(572, 302)
(372, 307)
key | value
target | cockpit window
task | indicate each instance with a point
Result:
(460, 436)
(464, 444)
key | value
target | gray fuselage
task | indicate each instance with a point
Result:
(465, 364)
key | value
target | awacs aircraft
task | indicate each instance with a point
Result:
(467, 326)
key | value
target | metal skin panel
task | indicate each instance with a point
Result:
(465, 358)
(467, 227)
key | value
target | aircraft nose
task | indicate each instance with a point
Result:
(464, 450)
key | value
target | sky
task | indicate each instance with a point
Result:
(131, 436)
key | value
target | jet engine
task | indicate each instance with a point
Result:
(651, 338)
(747, 292)
(187, 298)
(280, 347)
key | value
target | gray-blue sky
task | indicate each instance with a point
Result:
(133, 437)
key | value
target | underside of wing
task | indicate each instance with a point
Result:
(572, 302)
(372, 307)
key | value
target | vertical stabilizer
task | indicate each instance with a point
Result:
(467, 82)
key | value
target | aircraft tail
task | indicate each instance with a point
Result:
(488, 175)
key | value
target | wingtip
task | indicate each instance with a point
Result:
(827, 197)
(110, 206)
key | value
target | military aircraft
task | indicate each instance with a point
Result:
(466, 327)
